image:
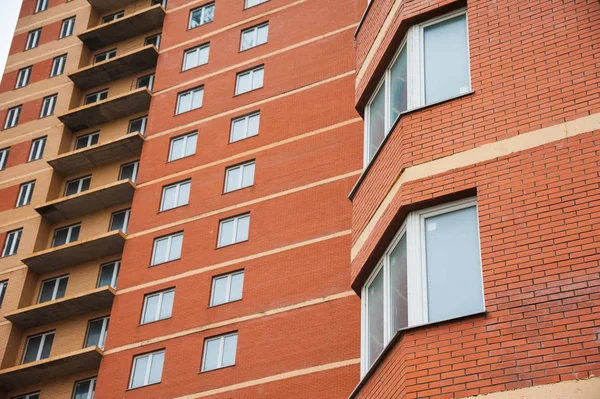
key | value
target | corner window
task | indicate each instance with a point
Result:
(3, 287)
(254, 36)
(202, 15)
(95, 97)
(67, 27)
(145, 81)
(196, 56)
(87, 140)
(175, 195)
(48, 106)
(38, 347)
(431, 65)
(53, 289)
(58, 65)
(430, 273)
(138, 125)
(153, 40)
(23, 77)
(119, 221)
(12, 117)
(219, 352)
(41, 5)
(11, 243)
(158, 306)
(227, 288)
(85, 389)
(129, 171)
(109, 273)
(4, 157)
(78, 185)
(167, 248)
(37, 149)
(104, 56)
(189, 100)
(33, 39)
(249, 80)
(66, 235)
(96, 332)
(147, 369)
(244, 127)
(183, 146)
(25, 194)
(239, 176)
(233, 230)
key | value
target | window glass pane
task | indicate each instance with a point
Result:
(190, 146)
(60, 237)
(375, 318)
(247, 39)
(219, 291)
(94, 331)
(167, 305)
(263, 32)
(47, 346)
(454, 281)
(242, 228)
(253, 125)
(184, 194)
(446, 59)
(243, 83)
(47, 291)
(398, 90)
(376, 122)
(189, 60)
(33, 345)
(238, 130)
(169, 197)
(151, 308)
(211, 355)
(156, 367)
(62, 288)
(248, 176)
(398, 286)
(229, 350)
(177, 148)
(237, 284)
(106, 275)
(118, 221)
(176, 247)
(82, 389)
(209, 13)
(257, 78)
(160, 251)
(197, 99)
(185, 100)
(139, 371)
(226, 233)
(233, 179)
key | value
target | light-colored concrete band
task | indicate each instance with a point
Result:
(577, 389)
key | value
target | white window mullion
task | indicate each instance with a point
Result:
(168, 251)
(159, 306)
(228, 288)
(221, 350)
(38, 356)
(148, 368)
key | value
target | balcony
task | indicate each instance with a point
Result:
(75, 253)
(107, 110)
(64, 308)
(90, 201)
(116, 68)
(132, 25)
(74, 162)
(54, 367)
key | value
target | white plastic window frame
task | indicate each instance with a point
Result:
(156, 316)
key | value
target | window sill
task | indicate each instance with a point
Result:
(234, 243)
(155, 321)
(222, 304)
(256, 5)
(143, 386)
(237, 189)
(164, 263)
(246, 92)
(217, 369)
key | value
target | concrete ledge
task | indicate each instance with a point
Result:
(75, 253)
(115, 68)
(123, 28)
(51, 368)
(89, 201)
(107, 110)
(64, 308)
(98, 155)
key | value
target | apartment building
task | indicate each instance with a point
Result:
(174, 212)
(475, 250)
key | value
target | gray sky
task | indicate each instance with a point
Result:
(9, 12)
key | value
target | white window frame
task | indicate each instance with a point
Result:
(67, 27)
(34, 395)
(12, 117)
(88, 138)
(150, 82)
(25, 194)
(221, 338)
(198, 51)
(185, 138)
(229, 278)
(191, 92)
(107, 55)
(14, 238)
(150, 357)
(246, 119)
(58, 65)
(112, 17)
(413, 228)
(250, 72)
(37, 149)
(142, 131)
(136, 167)
(156, 37)
(415, 85)
(161, 295)
(235, 220)
(254, 30)
(247, 3)
(79, 181)
(41, 348)
(127, 213)
(4, 153)
(103, 331)
(97, 95)
(23, 77)
(56, 281)
(202, 10)
(41, 5)
(177, 186)
(48, 106)
(69, 233)
(169, 239)
(243, 167)
(91, 389)
(115, 273)
(3, 288)
(33, 39)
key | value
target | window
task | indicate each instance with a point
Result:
(146, 81)
(254, 36)
(66, 235)
(4, 157)
(67, 27)
(227, 288)
(3, 287)
(38, 347)
(58, 65)
(138, 125)
(129, 171)
(249, 80)
(37, 149)
(23, 77)
(233, 230)
(147, 369)
(153, 40)
(85, 389)
(112, 17)
(196, 56)
(25, 194)
(183, 146)
(78, 185)
(41, 5)
(87, 140)
(158, 306)
(219, 352)
(161, 2)
(202, 15)
(244, 127)
(33, 39)
(96, 332)
(53, 289)
(35, 395)
(431, 65)
(12, 117)
(252, 3)
(189, 100)
(167, 248)
(239, 176)
(175, 195)
(431, 272)
(11, 244)
(120, 220)
(109, 273)
(107, 55)
(95, 97)
(48, 106)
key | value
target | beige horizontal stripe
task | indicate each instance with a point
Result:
(18, 221)
(256, 59)
(42, 56)
(36, 95)
(252, 151)
(13, 269)
(223, 323)
(273, 378)
(21, 177)
(20, 137)
(54, 17)
(482, 153)
(251, 106)
(233, 262)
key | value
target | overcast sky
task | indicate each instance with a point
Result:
(9, 12)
